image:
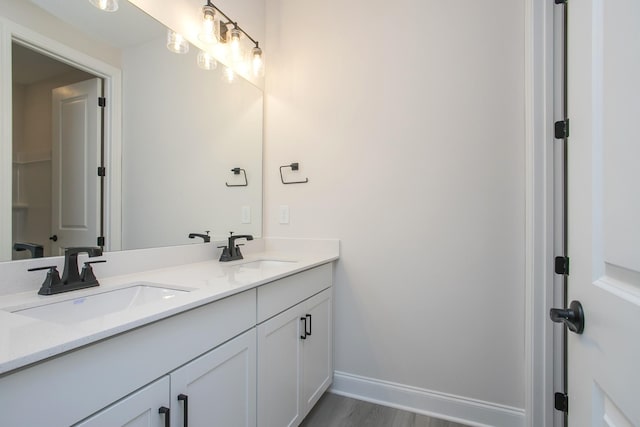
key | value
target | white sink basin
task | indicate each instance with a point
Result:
(97, 305)
(265, 263)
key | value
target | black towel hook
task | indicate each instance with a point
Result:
(236, 171)
(294, 167)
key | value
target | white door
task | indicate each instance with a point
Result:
(317, 349)
(604, 211)
(141, 409)
(76, 150)
(218, 388)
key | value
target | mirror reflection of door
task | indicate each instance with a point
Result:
(75, 196)
(57, 148)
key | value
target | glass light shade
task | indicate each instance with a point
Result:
(257, 62)
(221, 51)
(206, 61)
(106, 5)
(176, 43)
(234, 45)
(210, 25)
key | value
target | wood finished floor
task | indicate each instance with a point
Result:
(338, 411)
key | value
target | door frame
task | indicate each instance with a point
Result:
(540, 236)
(112, 77)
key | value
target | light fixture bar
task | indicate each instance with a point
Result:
(231, 21)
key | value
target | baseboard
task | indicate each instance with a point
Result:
(445, 406)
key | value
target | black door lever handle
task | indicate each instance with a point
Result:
(572, 317)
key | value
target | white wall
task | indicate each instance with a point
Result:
(408, 120)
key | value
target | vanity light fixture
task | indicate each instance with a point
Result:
(176, 43)
(105, 5)
(230, 35)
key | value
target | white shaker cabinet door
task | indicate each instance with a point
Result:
(141, 409)
(317, 349)
(279, 346)
(218, 388)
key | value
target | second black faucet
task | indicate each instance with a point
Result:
(231, 252)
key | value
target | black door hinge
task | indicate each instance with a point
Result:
(102, 101)
(100, 241)
(561, 1)
(561, 129)
(562, 265)
(561, 402)
(102, 171)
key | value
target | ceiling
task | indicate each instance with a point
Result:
(128, 26)
(31, 67)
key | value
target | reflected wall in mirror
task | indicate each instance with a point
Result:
(172, 135)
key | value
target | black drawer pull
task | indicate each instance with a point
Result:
(167, 418)
(304, 328)
(185, 399)
(308, 316)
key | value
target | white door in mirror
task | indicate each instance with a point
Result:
(76, 142)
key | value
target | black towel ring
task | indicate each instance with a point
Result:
(236, 171)
(294, 167)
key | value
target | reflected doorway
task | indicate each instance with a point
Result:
(57, 149)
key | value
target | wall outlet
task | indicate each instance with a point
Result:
(246, 215)
(284, 214)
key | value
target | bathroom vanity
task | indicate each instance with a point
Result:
(245, 343)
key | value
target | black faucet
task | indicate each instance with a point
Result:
(232, 251)
(204, 237)
(71, 278)
(36, 250)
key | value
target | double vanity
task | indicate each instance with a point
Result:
(242, 343)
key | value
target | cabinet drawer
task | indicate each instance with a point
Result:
(276, 297)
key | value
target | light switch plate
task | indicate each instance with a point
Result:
(284, 214)
(246, 215)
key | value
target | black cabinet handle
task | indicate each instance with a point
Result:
(185, 418)
(166, 412)
(304, 328)
(54, 238)
(308, 316)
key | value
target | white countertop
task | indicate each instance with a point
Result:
(26, 340)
